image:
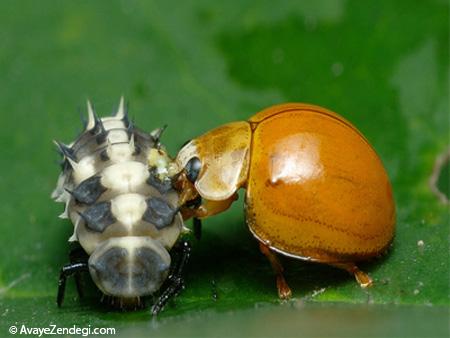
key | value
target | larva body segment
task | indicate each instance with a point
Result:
(115, 183)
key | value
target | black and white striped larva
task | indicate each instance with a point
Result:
(117, 189)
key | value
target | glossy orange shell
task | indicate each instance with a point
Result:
(316, 189)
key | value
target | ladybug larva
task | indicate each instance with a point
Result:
(117, 189)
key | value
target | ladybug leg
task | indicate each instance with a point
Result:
(188, 213)
(201, 208)
(197, 223)
(361, 277)
(175, 280)
(66, 271)
(284, 291)
(210, 208)
(185, 187)
(189, 210)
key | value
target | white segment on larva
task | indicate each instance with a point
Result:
(84, 169)
(128, 209)
(125, 176)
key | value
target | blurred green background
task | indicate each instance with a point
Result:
(194, 65)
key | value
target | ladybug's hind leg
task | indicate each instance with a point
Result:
(361, 277)
(284, 291)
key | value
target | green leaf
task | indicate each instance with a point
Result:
(194, 65)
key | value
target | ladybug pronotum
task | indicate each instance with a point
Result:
(117, 189)
(315, 188)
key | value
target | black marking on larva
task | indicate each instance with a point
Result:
(144, 140)
(142, 135)
(66, 151)
(89, 190)
(112, 268)
(159, 213)
(65, 165)
(125, 118)
(137, 150)
(162, 186)
(98, 125)
(104, 155)
(98, 216)
(157, 136)
(130, 128)
(69, 191)
(101, 137)
(83, 145)
(149, 271)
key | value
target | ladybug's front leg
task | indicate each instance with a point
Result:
(208, 208)
(203, 209)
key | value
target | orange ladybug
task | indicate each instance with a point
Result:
(315, 188)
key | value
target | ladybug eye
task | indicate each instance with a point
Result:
(192, 169)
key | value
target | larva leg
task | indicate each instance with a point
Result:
(78, 255)
(67, 271)
(175, 281)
